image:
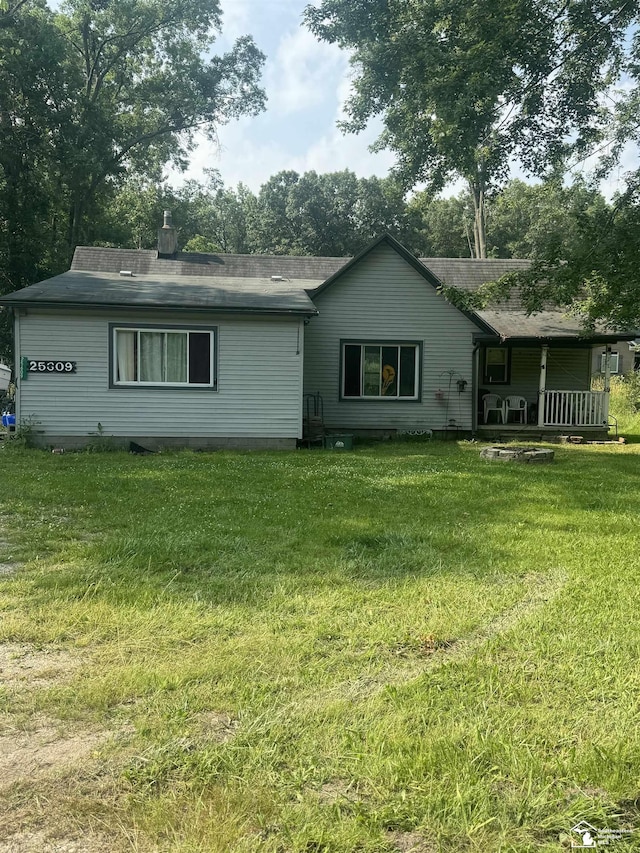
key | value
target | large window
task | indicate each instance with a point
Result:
(381, 371)
(175, 357)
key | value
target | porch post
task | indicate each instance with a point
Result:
(607, 369)
(543, 384)
(607, 384)
(475, 373)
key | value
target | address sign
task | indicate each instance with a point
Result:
(51, 366)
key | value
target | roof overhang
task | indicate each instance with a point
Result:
(559, 341)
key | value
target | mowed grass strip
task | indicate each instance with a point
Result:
(403, 647)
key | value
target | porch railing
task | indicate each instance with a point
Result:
(576, 408)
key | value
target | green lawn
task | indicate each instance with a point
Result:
(400, 648)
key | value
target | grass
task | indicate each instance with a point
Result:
(324, 652)
(625, 404)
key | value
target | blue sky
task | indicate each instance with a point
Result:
(306, 83)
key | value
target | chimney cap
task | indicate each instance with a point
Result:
(168, 220)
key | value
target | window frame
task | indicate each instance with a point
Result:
(617, 362)
(381, 342)
(485, 376)
(114, 383)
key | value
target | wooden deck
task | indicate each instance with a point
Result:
(530, 432)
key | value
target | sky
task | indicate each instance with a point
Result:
(306, 82)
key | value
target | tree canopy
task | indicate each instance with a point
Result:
(464, 88)
(96, 91)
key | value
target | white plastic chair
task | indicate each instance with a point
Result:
(493, 403)
(515, 405)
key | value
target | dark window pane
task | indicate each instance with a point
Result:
(372, 378)
(496, 364)
(200, 358)
(408, 372)
(389, 372)
(352, 355)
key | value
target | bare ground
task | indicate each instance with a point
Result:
(48, 766)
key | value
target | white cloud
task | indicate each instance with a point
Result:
(236, 17)
(301, 73)
(252, 150)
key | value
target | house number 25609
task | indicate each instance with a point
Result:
(52, 366)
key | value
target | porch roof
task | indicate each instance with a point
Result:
(517, 326)
(508, 318)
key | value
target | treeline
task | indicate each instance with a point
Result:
(98, 97)
(337, 214)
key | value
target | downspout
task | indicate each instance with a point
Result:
(607, 369)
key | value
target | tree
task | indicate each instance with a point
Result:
(210, 215)
(442, 227)
(32, 95)
(107, 88)
(463, 88)
(596, 274)
(328, 214)
(141, 89)
(540, 221)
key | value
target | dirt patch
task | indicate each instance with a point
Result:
(216, 726)
(20, 664)
(337, 789)
(27, 755)
(9, 568)
(40, 841)
(409, 842)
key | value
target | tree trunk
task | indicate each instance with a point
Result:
(476, 187)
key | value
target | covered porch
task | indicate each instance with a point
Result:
(539, 389)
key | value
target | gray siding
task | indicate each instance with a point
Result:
(259, 380)
(384, 298)
(626, 358)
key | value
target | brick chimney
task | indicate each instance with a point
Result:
(167, 238)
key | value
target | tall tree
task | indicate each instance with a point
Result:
(464, 87)
(141, 88)
(93, 93)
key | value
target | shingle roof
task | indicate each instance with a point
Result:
(508, 317)
(470, 273)
(190, 293)
(146, 262)
(224, 282)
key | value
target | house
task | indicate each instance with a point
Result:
(624, 357)
(168, 348)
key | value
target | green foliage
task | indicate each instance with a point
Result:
(333, 214)
(442, 227)
(96, 92)
(625, 403)
(464, 88)
(23, 438)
